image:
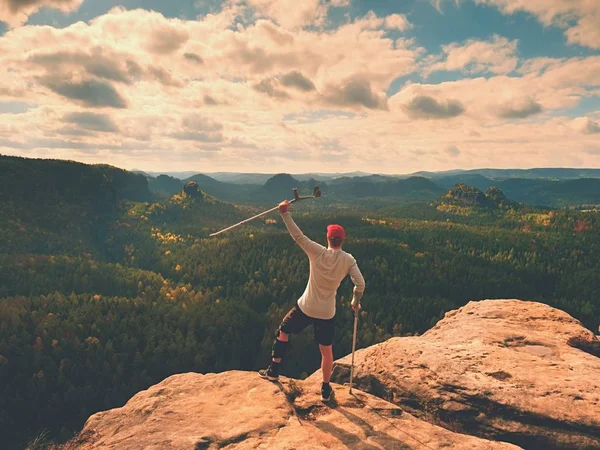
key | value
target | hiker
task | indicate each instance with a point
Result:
(328, 267)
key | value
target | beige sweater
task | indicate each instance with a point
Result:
(328, 267)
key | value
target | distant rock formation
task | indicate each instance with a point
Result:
(495, 194)
(494, 374)
(465, 195)
(191, 189)
(501, 369)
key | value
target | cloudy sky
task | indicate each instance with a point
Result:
(387, 86)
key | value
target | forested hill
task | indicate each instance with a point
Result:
(50, 205)
(65, 207)
(42, 180)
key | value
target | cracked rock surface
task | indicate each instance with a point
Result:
(238, 410)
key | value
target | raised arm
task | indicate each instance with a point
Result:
(311, 248)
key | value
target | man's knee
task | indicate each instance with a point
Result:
(280, 344)
(283, 336)
(326, 350)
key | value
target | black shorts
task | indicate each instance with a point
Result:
(295, 321)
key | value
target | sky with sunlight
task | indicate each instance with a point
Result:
(382, 86)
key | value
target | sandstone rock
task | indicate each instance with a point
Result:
(191, 189)
(500, 369)
(238, 410)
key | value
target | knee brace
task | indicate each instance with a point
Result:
(278, 348)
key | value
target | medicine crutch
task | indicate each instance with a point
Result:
(353, 346)
(316, 194)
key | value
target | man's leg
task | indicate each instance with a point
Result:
(294, 322)
(324, 336)
(281, 340)
(326, 361)
(282, 337)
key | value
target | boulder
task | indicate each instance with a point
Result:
(506, 370)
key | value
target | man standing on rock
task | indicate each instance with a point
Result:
(328, 267)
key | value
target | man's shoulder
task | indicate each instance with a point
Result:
(348, 256)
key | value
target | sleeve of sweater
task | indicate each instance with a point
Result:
(311, 248)
(357, 278)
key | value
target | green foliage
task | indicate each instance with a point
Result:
(66, 357)
(100, 298)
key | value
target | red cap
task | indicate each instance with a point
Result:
(335, 230)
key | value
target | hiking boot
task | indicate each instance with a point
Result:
(326, 392)
(268, 374)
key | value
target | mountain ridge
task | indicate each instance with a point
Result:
(383, 189)
(260, 178)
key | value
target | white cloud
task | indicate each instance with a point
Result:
(586, 125)
(497, 55)
(291, 14)
(553, 85)
(355, 92)
(426, 107)
(397, 22)
(519, 108)
(16, 12)
(212, 93)
(371, 21)
(580, 18)
(587, 31)
(137, 75)
(167, 38)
